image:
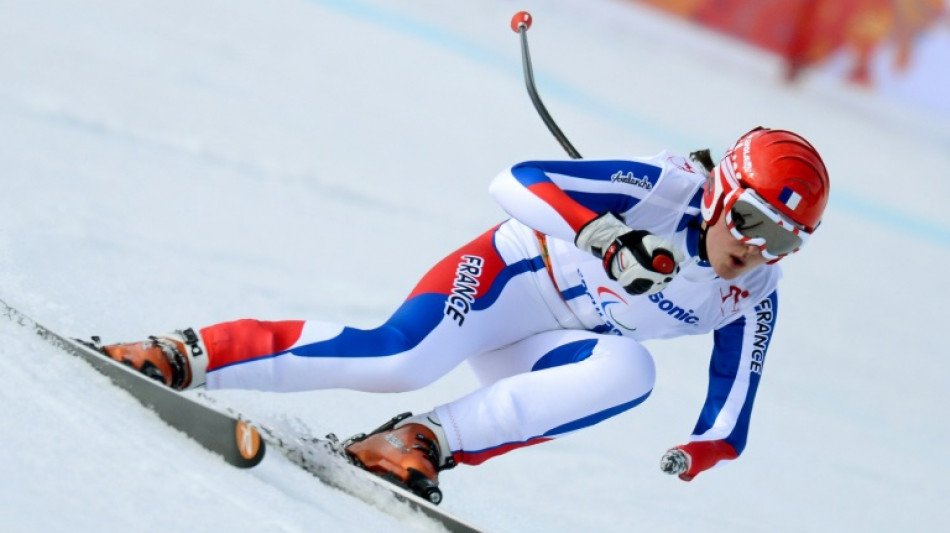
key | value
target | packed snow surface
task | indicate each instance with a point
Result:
(180, 163)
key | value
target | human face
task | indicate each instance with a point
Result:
(729, 256)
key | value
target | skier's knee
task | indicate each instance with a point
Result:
(630, 363)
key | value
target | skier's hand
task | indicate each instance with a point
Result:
(595, 236)
(640, 261)
(688, 460)
(675, 462)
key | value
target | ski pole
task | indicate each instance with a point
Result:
(520, 24)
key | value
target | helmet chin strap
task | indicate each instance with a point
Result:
(703, 229)
(704, 158)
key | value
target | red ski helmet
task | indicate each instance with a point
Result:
(781, 167)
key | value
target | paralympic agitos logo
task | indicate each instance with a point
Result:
(608, 300)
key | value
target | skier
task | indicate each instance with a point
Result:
(550, 309)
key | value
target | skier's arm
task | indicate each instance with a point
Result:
(734, 372)
(579, 201)
(558, 198)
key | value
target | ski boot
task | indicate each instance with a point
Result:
(168, 358)
(408, 451)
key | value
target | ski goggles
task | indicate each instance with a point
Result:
(753, 221)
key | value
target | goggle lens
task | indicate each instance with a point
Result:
(752, 221)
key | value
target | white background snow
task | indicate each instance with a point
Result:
(180, 163)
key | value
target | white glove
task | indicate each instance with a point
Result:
(641, 262)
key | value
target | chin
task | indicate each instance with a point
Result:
(725, 273)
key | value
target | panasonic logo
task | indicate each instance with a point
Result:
(670, 308)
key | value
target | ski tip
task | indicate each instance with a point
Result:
(249, 444)
(521, 21)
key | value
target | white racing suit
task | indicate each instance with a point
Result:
(555, 343)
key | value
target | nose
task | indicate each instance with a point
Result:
(753, 250)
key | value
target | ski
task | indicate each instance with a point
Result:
(323, 457)
(242, 442)
(226, 434)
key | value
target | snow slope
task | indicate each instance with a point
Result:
(174, 163)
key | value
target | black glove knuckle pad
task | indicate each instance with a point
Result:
(658, 260)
